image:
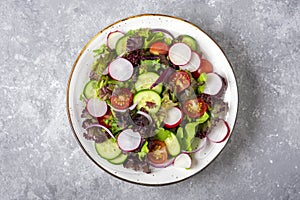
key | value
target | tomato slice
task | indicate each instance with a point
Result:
(181, 80)
(194, 107)
(205, 67)
(159, 48)
(157, 152)
(121, 98)
(104, 120)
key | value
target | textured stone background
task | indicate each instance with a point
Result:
(40, 158)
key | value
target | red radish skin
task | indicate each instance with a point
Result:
(214, 84)
(220, 132)
(96, 107)
(173, 118)
(183, 160)
(113, 38)
(194, 64)
(180, 53)
(128, 140)
(120, 69)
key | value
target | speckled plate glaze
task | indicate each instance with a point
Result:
(79, 76)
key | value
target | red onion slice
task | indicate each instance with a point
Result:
(118, 110)
(167, 33)
(146, 115)
(100, 126)
(133, 106)
(163, 165)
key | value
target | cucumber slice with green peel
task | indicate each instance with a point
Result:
(108, 150)
(121, 45)
(145, 80)
(173, 145)
(148, 99)
(90, 89)
(190, 41)
(119, 160)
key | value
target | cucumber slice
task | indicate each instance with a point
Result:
(90, 89)
(173, 145)
(108, 150)
(188, 40)
(121, 45)
(119, 160)
(148, 99)
(145, 80)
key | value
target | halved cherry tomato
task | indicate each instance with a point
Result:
(194, 107)
(157, 152)
(121, 98)
(205, 66)
(181, 80)
(159, 48)
(104, 120)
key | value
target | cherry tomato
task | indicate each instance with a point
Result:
(104, 119)
(194, 107)
(121, 98)
(157, 152)
(159, 48)
(205, 66)
(181, 80)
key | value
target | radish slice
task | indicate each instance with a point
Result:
(203, 143)
(145, 115)
(183, 161)
(163, 165)
(120, 69)
(193, 64)
(173, 118)
(113, 38)
(96, 107)
(219, 133)
(128, 140)
(180, 53)
(100, 126)
(165, 32)
(213, 84)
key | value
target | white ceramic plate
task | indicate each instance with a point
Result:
(79, 76)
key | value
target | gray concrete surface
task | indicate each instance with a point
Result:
(40, 158)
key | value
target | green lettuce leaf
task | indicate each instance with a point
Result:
(153, 37)
(144, 151)
(103, 48)
(162, 134)
(203, 118)
(190, 130)
(101, 63)
(180, 137)
(202, 80)
(149, 65)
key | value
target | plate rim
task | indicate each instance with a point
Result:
(71, 75)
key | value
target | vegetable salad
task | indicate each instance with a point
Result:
(152, 100)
